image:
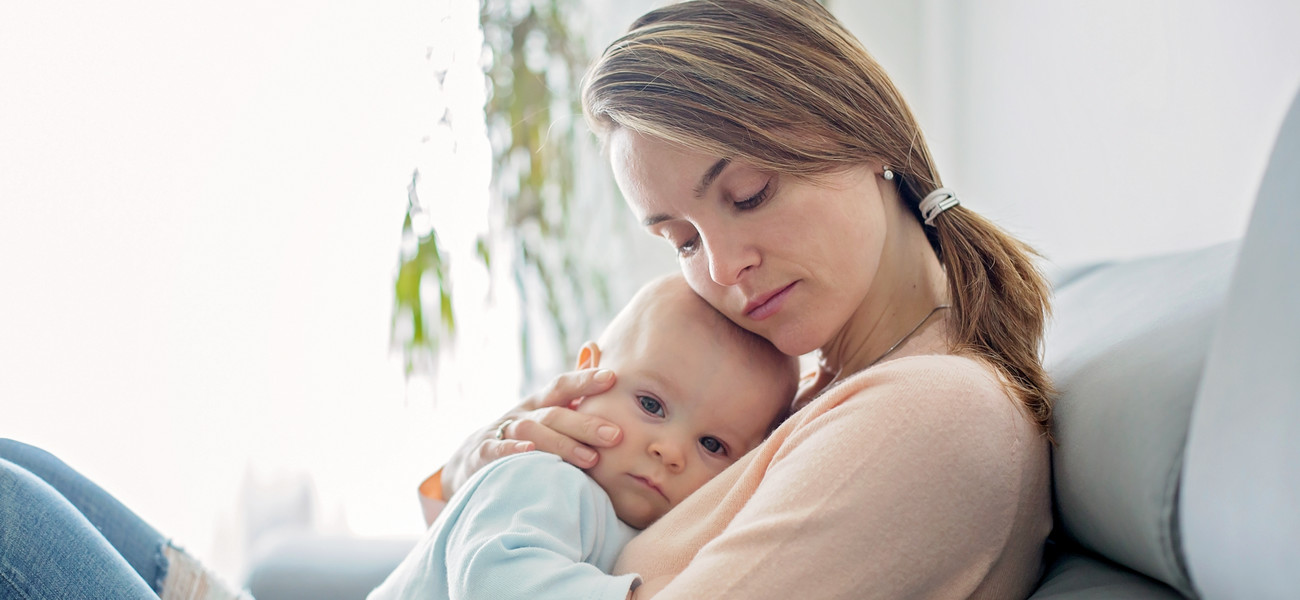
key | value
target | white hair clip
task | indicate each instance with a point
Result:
(936, 202)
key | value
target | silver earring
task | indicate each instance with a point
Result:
(887, 175)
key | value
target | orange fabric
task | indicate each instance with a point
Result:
(432, 487)
(431, 500)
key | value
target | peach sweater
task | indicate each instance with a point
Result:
(918, 478)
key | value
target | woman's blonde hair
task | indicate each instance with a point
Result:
(782, 86)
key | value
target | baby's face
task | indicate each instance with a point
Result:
(689, 404)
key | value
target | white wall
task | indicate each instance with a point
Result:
(200, 208)
(1095, 129)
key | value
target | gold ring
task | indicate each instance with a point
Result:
(501, 429)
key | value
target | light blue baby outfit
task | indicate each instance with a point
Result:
(525, 526)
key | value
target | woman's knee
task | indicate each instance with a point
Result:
(19, 490)
(26, 456)
(39, 463)
(48, 549)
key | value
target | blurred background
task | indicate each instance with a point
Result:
(265, 264)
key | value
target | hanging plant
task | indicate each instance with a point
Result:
(534, 71)
(420, 268)
(533, 65)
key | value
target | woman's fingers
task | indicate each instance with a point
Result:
(556, 430)
(564, 433)
(583, 429)
(543, 421)
(570, 386)
(490, 450)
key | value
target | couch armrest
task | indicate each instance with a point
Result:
(318, 567)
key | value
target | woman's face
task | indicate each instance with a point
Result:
(790, 260)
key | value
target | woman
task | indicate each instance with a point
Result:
(761, 141)
(765, 145)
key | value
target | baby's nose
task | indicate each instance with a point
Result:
(669, 453)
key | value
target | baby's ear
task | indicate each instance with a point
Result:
(589, 356)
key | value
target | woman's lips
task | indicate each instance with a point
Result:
(768, 304)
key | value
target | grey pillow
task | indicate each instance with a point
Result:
(1126, 349)
(1077, 577)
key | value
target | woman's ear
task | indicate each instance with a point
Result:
(589, 356)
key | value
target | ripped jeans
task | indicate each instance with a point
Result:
(62, 536)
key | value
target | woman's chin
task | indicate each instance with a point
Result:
(794, 343)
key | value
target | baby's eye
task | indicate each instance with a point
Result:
(712, 445)
(651, 405)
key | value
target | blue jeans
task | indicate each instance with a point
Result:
(62, 536)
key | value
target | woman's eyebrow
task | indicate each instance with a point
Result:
(654, 219)
(700, 188)
(709, 176)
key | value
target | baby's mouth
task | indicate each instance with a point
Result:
(646, 481)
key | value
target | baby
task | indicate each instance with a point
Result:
(694, 393)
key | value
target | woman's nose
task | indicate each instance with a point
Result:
(729, 258)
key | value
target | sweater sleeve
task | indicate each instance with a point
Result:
(527, 532)
(904, 490)
(430, 495)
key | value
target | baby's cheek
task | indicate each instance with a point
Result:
(637, 512)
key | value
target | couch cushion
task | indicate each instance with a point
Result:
(1079, 577)
(1126, 350)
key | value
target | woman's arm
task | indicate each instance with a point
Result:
(913, 493)
(543, 421)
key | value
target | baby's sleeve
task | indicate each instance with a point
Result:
(536, 528)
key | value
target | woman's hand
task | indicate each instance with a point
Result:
(544, 421)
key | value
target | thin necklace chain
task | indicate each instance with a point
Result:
(908, 335)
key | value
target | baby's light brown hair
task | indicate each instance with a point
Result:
(667, 297)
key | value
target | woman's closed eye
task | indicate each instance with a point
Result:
(754, 201)
(691, 245)
(684, 238)
(688, 247)
(651, 405)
